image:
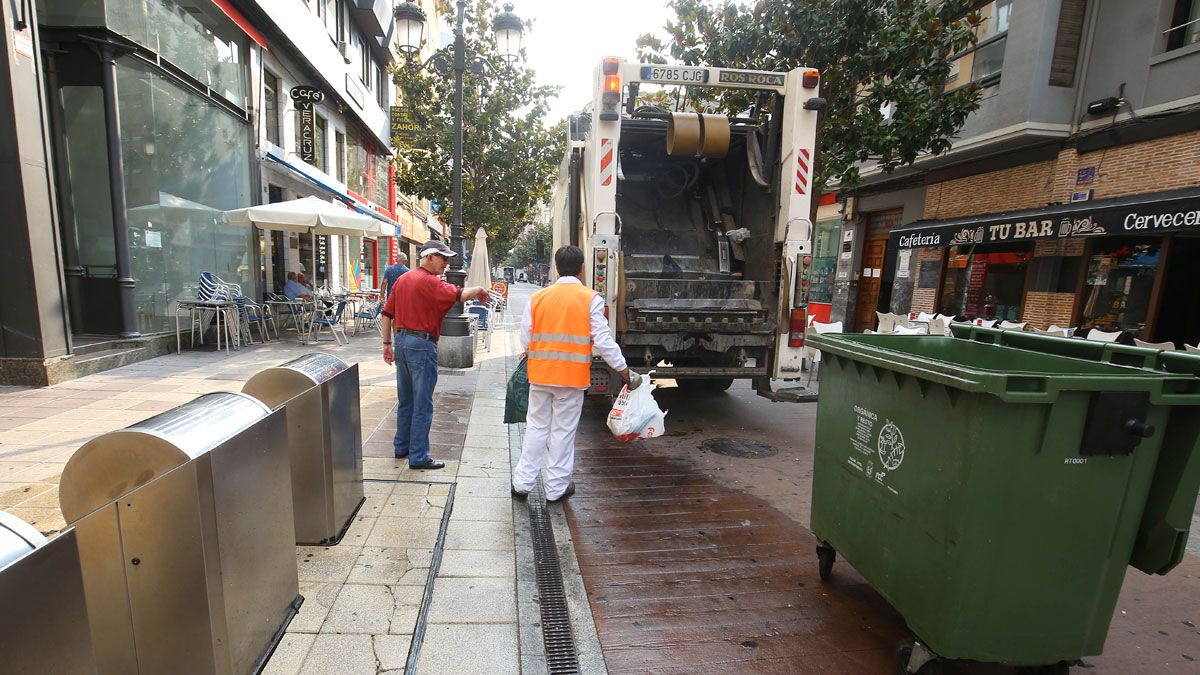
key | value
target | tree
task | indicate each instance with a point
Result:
(524, 252)
(509, 154)
(871, 54)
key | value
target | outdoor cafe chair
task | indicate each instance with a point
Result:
(812, 353)
(1191, 349)
(1162, 346)
(1013, 325)
(1059, 330)
(368, 316)
(331, 320)
(483, 320)
(887, 322)
(1097, 335)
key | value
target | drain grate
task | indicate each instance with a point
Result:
(739, 448)
(556, 621)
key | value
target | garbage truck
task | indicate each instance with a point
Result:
(696, 226)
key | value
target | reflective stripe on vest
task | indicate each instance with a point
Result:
(560, 344)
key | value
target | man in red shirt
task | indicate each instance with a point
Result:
(413, 315)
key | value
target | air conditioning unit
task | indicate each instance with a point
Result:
(344, 48)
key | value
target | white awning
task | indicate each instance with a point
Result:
(310, 214)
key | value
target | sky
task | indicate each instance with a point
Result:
(570, 37)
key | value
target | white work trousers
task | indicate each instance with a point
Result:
(553, 418)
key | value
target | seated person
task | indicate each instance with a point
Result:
(294, 290)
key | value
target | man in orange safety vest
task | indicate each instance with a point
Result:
(561, 325)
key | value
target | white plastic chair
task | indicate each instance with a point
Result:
(1098, 335)
(908, 330)
(946, 319)
(925, 317)
(1065, 332)
(812, 353)
(886, 323)
(1013, 325)
(1163, 346)
(938, 327)
(1190, 349)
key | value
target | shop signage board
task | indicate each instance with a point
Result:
(404, 129)
(304, 97)
(1144, 214)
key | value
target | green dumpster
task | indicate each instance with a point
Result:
(1163, 533)
(992, 494)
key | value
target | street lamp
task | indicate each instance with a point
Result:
(508, 30)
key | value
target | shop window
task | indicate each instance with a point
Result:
(1055, 274)
(1119, 282)
(1185, 24)
(381, 86)
(990, 285)
(824, 262)
(319, 141)
(186, 160)
(379, 184)
(983, 62)
(339, 157)
(271, 106)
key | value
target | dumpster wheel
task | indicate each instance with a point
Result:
(910, 653)
(825, 559)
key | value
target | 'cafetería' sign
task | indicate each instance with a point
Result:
(1159, 213)
(304, 97)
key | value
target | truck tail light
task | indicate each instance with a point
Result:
(796, 328)
(811, 78)
(610, 97)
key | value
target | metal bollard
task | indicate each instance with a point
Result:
(184, 524)
(321, 394)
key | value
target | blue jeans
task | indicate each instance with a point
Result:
(416, 376)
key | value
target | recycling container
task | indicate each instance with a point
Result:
(186, 548)
(321, 395)
(44, 625)
(992, 494)
(1162, 536)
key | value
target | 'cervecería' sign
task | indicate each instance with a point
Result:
(1159, 213)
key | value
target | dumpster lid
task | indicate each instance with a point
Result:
(111, 465)
(276, 386)
(1008, 372)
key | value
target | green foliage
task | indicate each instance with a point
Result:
(870, 53)
(509, 154)
(524, 252)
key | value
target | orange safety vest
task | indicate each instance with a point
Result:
(560, 344)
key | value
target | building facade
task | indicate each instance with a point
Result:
(148, 118)
(1071, 196)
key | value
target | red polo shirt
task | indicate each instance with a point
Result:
(419, 301)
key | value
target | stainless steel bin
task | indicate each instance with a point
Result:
(185, 537)
(44, 625)
(324, 437)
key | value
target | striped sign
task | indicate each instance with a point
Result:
(803, 171)
(607, 166)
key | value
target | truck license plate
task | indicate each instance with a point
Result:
(675, 74)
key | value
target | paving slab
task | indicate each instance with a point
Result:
(454, 649)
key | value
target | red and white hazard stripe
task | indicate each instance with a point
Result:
(607, 166)
(803, 171)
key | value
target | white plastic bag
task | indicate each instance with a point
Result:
(636, 414)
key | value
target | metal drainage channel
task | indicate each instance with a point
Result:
(556, 620)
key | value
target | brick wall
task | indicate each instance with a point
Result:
(1021, 187)
(1150, 166)
(924, 299)
(1043, 309)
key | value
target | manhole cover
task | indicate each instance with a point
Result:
(739, 448)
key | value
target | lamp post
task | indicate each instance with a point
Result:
(508, 31)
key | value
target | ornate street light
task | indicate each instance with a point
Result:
(410, 27)
(508, 30)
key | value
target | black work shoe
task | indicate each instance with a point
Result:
(405, 455)
(517, 494)
(566, 493)
(428, 464)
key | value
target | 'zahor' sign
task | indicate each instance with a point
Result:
(304, 97)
